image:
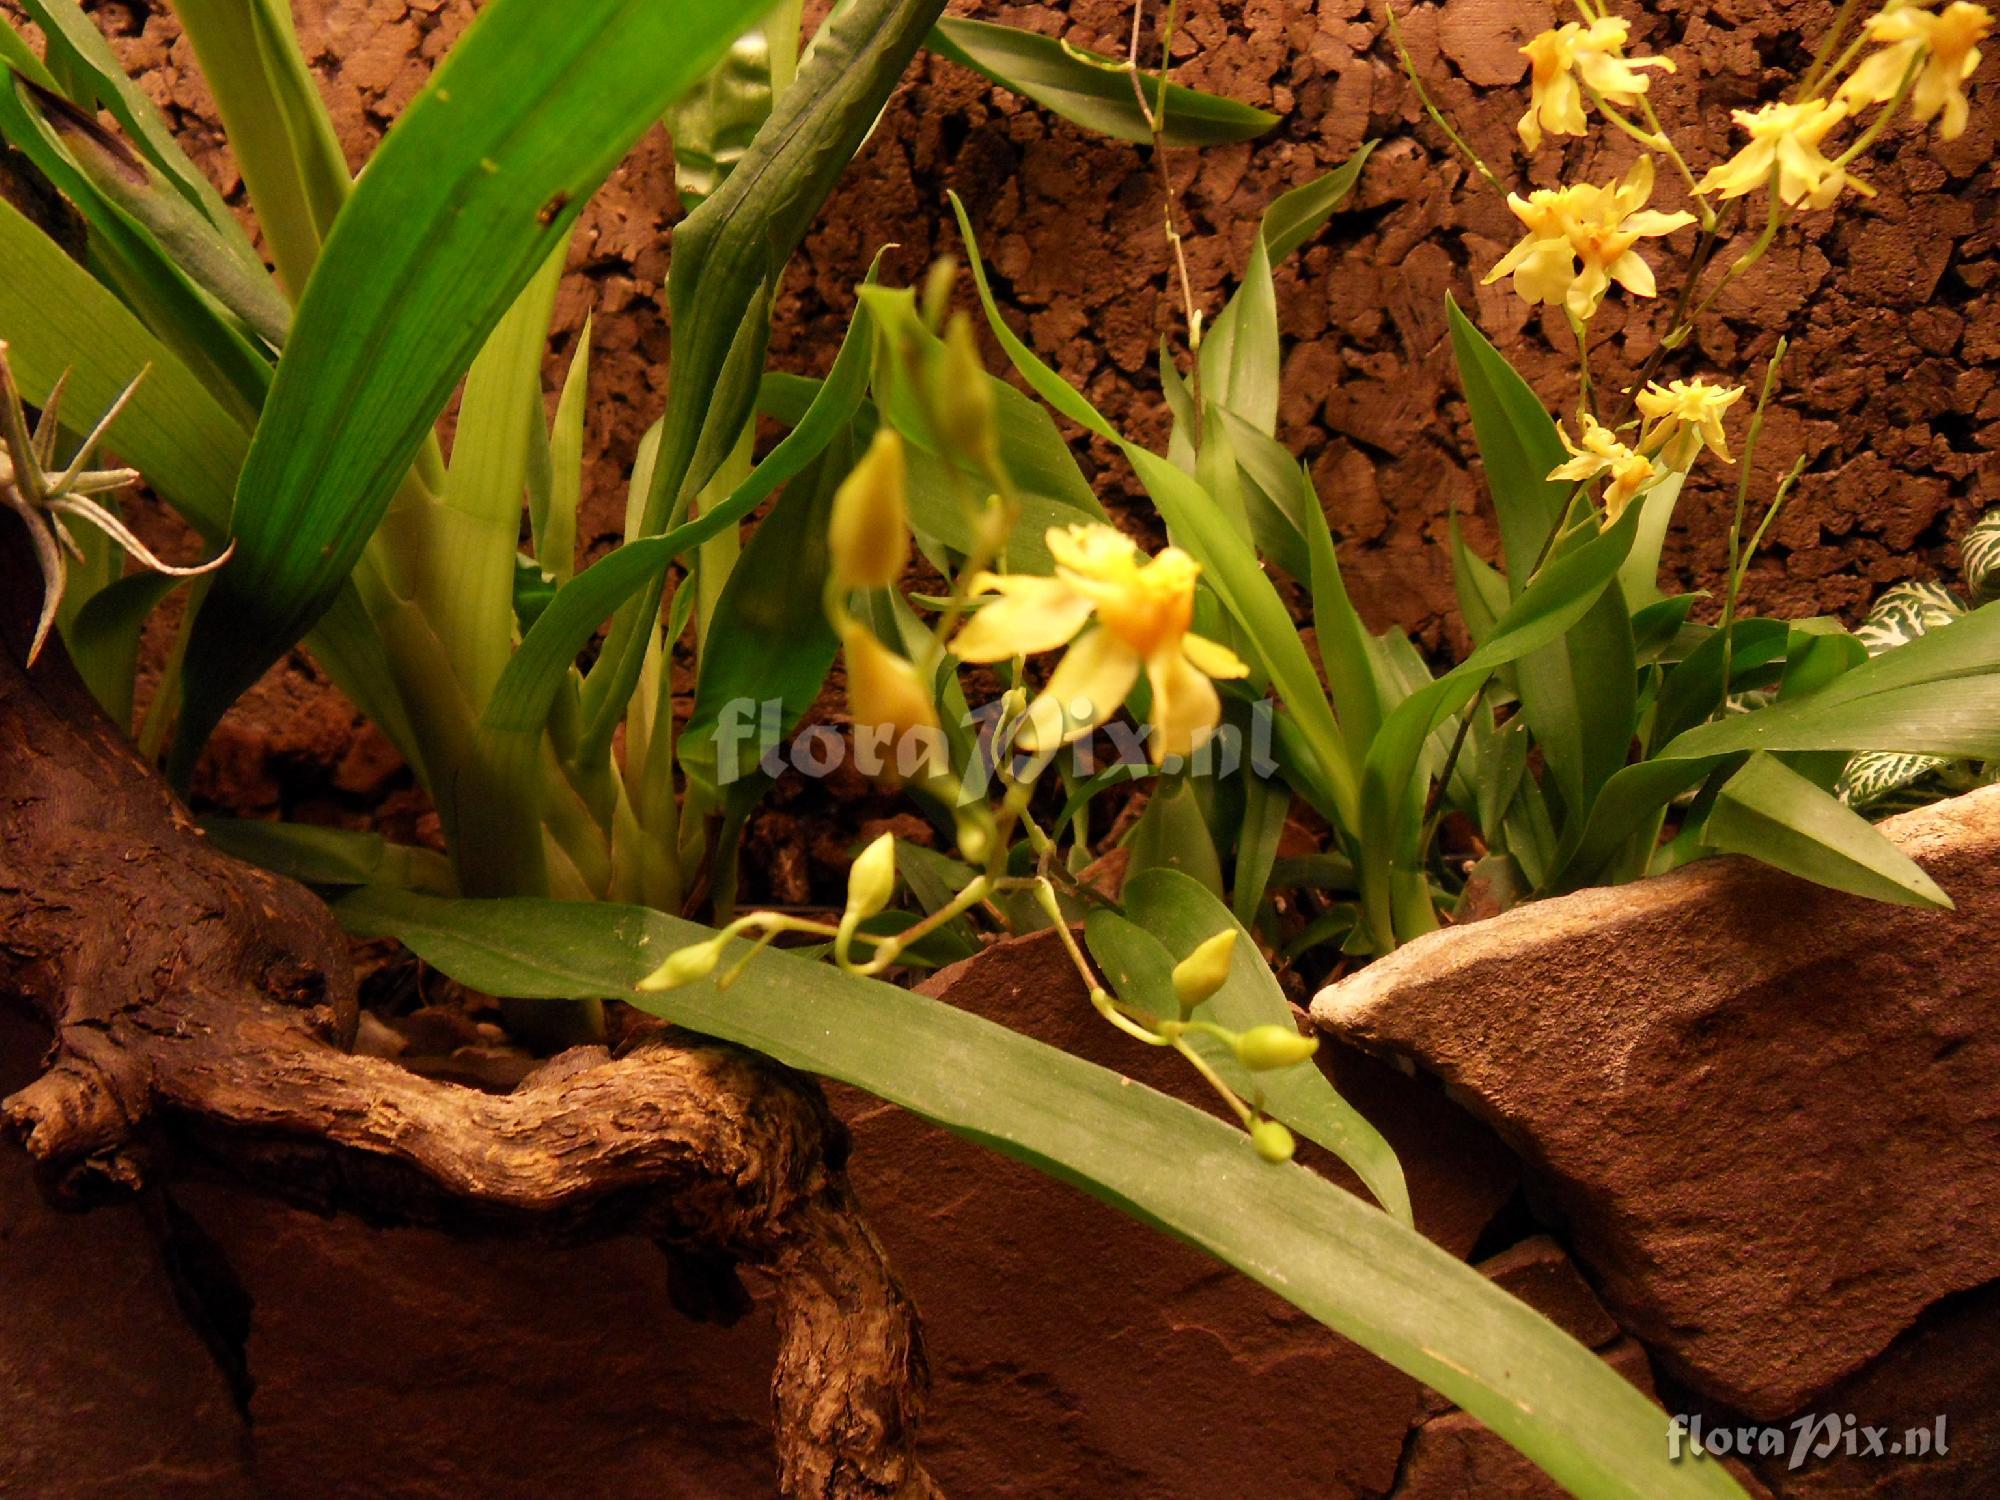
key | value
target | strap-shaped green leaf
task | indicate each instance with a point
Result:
(476, 185)
(1296, 216)
(1772, 813)
(279, 131)
(1579, 693)
(527, 690)
(1091, 91)
(728, 255)
(74, 40)
(1562, 593)
(1322, 1248)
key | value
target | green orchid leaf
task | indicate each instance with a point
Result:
(1354, 1267)
(1091, 91)
(1296, 216)
(1172, 834)
(331, 858)
(1562, 593)
(1181, 915)
(280, 134)
(1772, 813)
(526, 694)
(728, 256)
(770, 642)
(475, 187)
(104, 637)
(1578, 695)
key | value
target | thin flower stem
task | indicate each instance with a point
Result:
(1155, 116)
(1784, 493)
(1881, 121)
(1199, 1063)
(1430, 106)
(1438, 787)
(1817, 74)
(1701, 203)
(1742, 502)
(888, 949)
(1586, 394)
(1778, 217)
(1652, 140)
(1100, 998)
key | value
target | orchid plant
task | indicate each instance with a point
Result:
(928, 525)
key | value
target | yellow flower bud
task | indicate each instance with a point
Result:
(871, 881)
(964, 397)
(886, 695)
(938, 282)
(1205, 970)
(975, 833)
(1262, 1048)
(685, 966)
(1272, 1141)
(869, 533)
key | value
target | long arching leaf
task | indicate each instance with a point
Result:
(479, 181)
(1319, 1246)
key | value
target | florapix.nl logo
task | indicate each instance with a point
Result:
(750, 739)
(1812, 1438)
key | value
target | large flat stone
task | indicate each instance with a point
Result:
(1769, 1114)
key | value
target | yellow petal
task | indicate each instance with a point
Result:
(1546, 274)
(1652, 221)
(1093, 550)
(1032, 614)
(1587, 291)
(1088, 686)
(1185, 705)
(1632, 273)
(1212, 657)
(882, 688)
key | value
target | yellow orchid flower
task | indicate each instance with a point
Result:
(1143, 608)
(1685, 416)
(1575, 57)
(1948, 42)
(1600, 452)
(1588, 224)
(1786, 138)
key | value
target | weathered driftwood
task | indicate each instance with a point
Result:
(201, 1011)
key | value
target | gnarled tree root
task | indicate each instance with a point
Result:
(202, 1009)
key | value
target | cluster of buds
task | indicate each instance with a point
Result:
(1259, 1049)
(1118, 615)
(47, 497)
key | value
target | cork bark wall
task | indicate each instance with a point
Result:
(1891, 392)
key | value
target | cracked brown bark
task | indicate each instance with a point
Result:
(200, 1011)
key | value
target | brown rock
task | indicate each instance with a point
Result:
(1454, 1455)
(1948, 1367)
(1541, 1274)
(1767, 1112)
(1075, 1353)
